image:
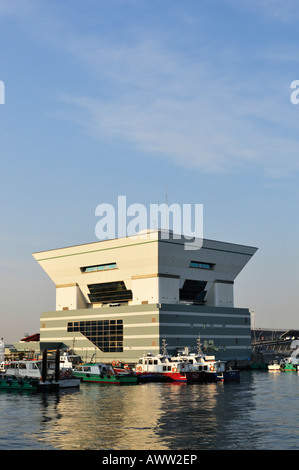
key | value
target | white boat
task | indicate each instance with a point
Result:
(45, 376)
(210, 368)
(69, 361)
(161, 367)
(275, 365)
(291, 363)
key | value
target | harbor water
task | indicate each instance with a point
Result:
(258, 413)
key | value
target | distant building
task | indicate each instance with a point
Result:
(120, 298)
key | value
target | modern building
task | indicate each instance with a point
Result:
(121, 298)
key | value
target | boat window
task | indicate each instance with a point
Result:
(22, 365)
(156, 361)
(150, 362)
(164, 368)
(86, 369)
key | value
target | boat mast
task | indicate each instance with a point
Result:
(198, 346)
(164, 351)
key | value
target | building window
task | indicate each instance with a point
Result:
(193, 291)
(107, 335)
(99, 267)
(107, 292)
(201, 265)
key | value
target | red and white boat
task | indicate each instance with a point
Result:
(211, 369)
(162, 368)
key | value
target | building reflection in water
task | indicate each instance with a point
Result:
(149, 416)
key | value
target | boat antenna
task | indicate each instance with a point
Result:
(198, 345)
(164, 351)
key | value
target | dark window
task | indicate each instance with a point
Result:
(109, 292)
(107, 335)
(193, 291)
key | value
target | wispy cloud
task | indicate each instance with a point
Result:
(167, 105)
(206, 107)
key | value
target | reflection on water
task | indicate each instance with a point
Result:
(253, 414)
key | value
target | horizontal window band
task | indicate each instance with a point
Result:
(158, 324)
(77, 336)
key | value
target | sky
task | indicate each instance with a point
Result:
(143, 98)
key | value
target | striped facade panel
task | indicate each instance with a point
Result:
(224, 332)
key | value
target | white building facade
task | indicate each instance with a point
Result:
(120, 298)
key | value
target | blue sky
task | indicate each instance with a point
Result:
(109, 98)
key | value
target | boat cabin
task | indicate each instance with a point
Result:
(95, 368)
(25, 369)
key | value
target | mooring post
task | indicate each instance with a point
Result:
(57, 365)
(44, 366)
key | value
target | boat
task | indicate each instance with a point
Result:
(291, 364)
(121, 368)
(274, 366)
(210, 369)
(38, 374)
(69, 361)
(161, 367)
(98, 372)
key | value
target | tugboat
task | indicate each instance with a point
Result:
(97, 372)
(210, 369)
(162, 368)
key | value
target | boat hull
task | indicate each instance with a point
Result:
(34, 384)
(229, 376)
(107, 378)
(289, 367)
(225, 376)
(186, 377)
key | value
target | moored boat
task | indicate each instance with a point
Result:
(97, 372)
(38, 374)
(274, 366)
(161, 367)
(121, 368)
(210, 369)
(291, 364)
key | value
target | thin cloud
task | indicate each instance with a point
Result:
(206, 107)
